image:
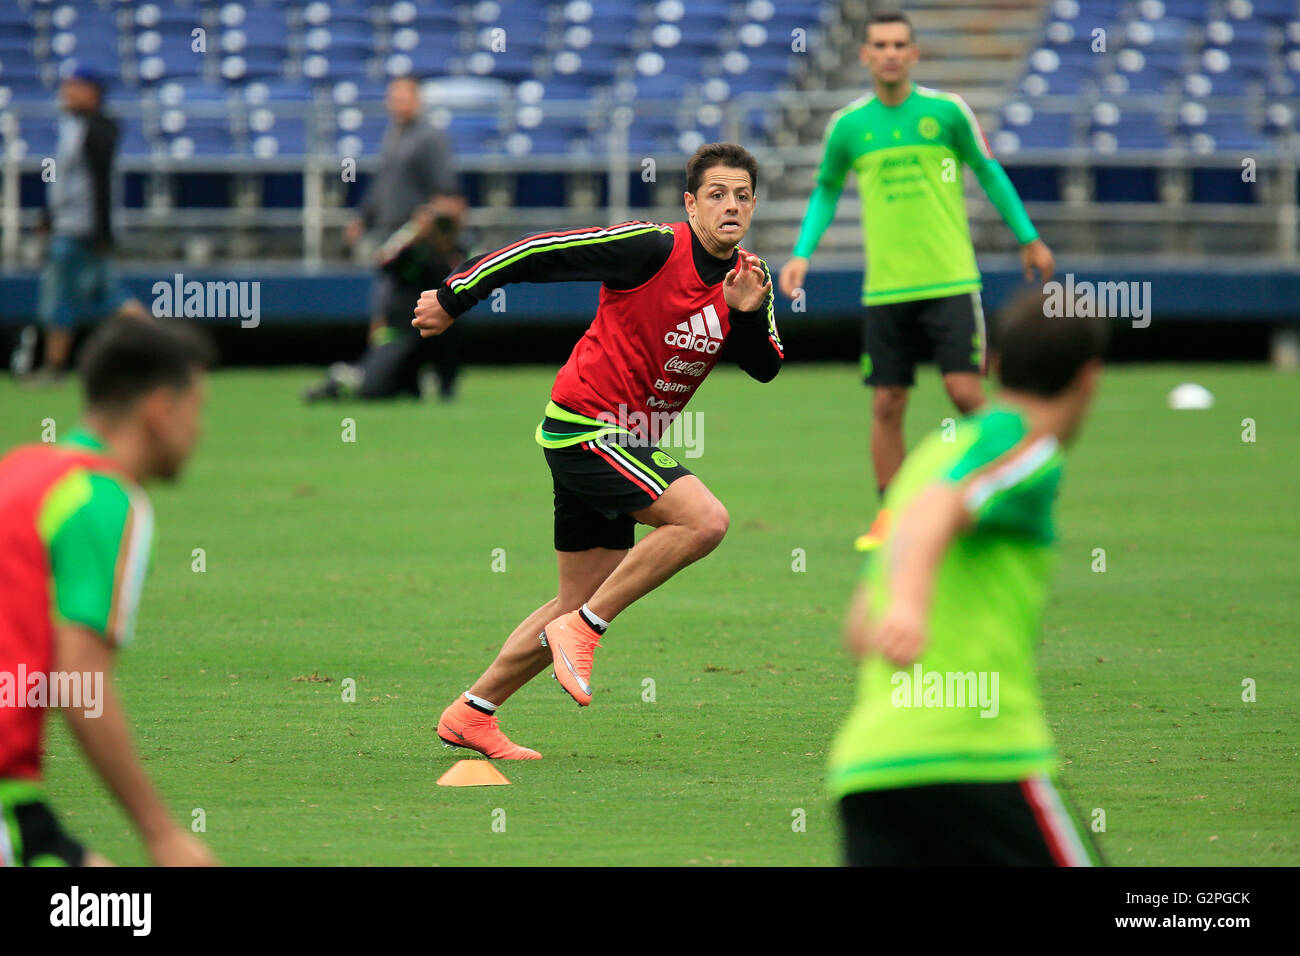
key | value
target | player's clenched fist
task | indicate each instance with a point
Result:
(792, 275)
(745, 287)
(900, 636)
(430, 317)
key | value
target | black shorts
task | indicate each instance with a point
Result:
(30, 834)
(898, 335)
(598, 482)
(963, 824)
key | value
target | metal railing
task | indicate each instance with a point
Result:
(1078, 223)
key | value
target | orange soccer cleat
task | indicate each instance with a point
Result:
(572, 642)
(876, 536)
(462, 726)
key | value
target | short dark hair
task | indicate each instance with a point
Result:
(892, 16)
(125, 359)
(719, 154)
(1042, 355)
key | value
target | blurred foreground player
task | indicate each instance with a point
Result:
(671, 296)
(75, 533)
(946, 757)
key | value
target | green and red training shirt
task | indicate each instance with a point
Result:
(75, 533)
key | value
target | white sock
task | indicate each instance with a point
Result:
(479, 701)
(591, 616)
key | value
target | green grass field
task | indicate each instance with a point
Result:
(372, 560)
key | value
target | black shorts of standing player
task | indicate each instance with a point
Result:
(599, 482)
(30, 834)
(1021, 823)
(898, 335)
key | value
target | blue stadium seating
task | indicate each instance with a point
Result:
(1218, 56)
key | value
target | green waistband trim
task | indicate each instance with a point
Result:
(911, 293)
(13, 792)
(595, 429)
(897, 763)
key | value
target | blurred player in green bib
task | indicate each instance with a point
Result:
(946, 757)
(907, 145)
(75, 533)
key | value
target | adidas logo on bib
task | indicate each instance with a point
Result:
(702, 332)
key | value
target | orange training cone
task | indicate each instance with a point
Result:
(472, 773)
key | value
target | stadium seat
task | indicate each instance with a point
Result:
(257, 92)
(1229, 83)
(169, 64)
(173, 92)
(565, 88)
(1145, 71)
(40, 136)
(1274, 11)
(1112, 129)
(553, 134)
(1064, 65)
(648, 134)
(1061, 83)
(1165, 34)
(361, 136)
(347, 92)
(757, 79)
(133, 142)
(286, 136)
(1192, 11)
(201, 138)
(1092, 13)
(1034, 129)
(23, 89)
(1217, 62)
(1209, 132)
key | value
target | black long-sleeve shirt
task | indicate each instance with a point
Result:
(620, 262)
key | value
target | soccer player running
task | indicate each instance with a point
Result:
(945, 757)
(75, 532)
(671, 296)
(907, 144)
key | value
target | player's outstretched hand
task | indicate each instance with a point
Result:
(1036, 256)
(792, 275)
(900, 636)
(176, 847)
(745, 287)
(859, 634)
(430, 317)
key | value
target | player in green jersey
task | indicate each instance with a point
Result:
(945, 756)
(907, 145)
(75, 534)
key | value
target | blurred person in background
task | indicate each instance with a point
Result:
(419, 257)
(416, 167)
(79, 286)
(907, 145)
